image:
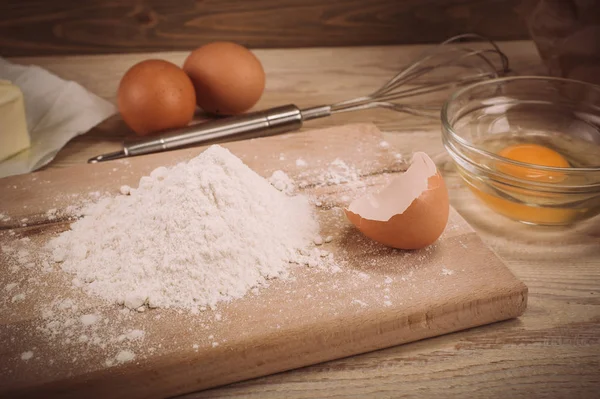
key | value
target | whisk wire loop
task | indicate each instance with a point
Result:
(414, 80)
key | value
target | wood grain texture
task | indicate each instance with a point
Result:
(37, 27)
(552, 351)
(380, 297)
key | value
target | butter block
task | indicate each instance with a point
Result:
(14, 136)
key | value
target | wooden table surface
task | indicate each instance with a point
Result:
(553, 350)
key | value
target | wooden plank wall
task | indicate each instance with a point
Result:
(50, 27)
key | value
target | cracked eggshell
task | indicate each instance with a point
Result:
(409, 213)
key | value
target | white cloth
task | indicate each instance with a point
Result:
(57, 110)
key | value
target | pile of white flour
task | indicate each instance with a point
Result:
(189, 236)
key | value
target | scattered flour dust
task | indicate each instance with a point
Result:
(70, 331)
(362, 304)
(336, 172)
(187, 238)
(282, 182)
(447, 272)
(124, 356)
(190, 236)
(301, 163)
(88, 319)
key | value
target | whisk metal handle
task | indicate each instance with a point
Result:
(269, 122)
(263, 123)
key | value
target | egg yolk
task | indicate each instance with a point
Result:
(533, 154)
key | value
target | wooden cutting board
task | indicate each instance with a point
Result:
(380, 297)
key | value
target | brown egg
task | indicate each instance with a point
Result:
(155, 95)
(410, 213)
(228, 78)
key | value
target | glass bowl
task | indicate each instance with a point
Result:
(551, 121)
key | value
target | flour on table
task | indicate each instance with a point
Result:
(362, 304)
(18, 298)
(336, 172)
(301, 163)
(125, 190)
(51, 214)
(363, 276)
(10, 287)
(125, 356)
(64, 325)
(88, 319)
(339, 172)
(189, 236)
(132, 335)
(282, 182)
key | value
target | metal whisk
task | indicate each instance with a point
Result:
(470, 65)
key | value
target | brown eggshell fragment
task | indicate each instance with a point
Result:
(410, 213)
